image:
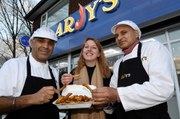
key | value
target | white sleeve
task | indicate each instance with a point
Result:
(8, 78)
(159, 88)
(114, 78)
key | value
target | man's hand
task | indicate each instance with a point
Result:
(44, 95)
(104, 95)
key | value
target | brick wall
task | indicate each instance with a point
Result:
(73, 4)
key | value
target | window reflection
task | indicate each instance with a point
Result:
(43, 20)
(159, 37)
(112, 60)
(112, 53)
(61, 65)
(74, 61)
(174, 34)
(54, 14)
(58, 12)
(176, 54)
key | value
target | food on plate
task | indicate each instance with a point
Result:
(76, 76)
(77, 89)
(87, 86)
(60, 89)
(69, 98)
(76, 94)
(74, 97)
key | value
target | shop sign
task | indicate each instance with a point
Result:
(70, 24)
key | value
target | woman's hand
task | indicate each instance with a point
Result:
(66, 79)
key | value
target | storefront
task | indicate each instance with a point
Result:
(158, 20)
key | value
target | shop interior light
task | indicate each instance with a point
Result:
(62, 64)
(111, 52)
(147, 40)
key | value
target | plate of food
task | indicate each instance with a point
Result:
(75, 97)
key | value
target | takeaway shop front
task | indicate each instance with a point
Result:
(158, 19)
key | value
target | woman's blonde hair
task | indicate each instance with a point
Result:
(104, 68)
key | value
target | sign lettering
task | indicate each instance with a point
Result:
(70, 24)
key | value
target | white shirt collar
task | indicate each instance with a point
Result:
(35, 63)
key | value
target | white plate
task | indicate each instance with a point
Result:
(76, 90)
(73, 105)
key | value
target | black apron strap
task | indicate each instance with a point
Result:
(28, 67)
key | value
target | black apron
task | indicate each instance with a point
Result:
(32, 85)
(130, 72)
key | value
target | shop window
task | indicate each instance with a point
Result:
(74, 61)
(176, 54)
(112, 54)
(161, 37)
(112, 51)
(166, 45)
(43, 19)
(62, 71)
(112, 60)
(55, 64)
(61, 65)
(174, 34)
(171, 39)
(55, 14)
(58, 13)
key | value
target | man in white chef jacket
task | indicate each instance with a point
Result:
(142, 80)
(27, 84)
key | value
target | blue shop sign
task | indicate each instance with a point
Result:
(97, 18)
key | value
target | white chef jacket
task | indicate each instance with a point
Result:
(159, 65)
(13, 74)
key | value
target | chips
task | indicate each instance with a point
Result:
(87, 86)
(69, 98)
(76, 94)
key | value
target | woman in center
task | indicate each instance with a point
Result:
(92, 69)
